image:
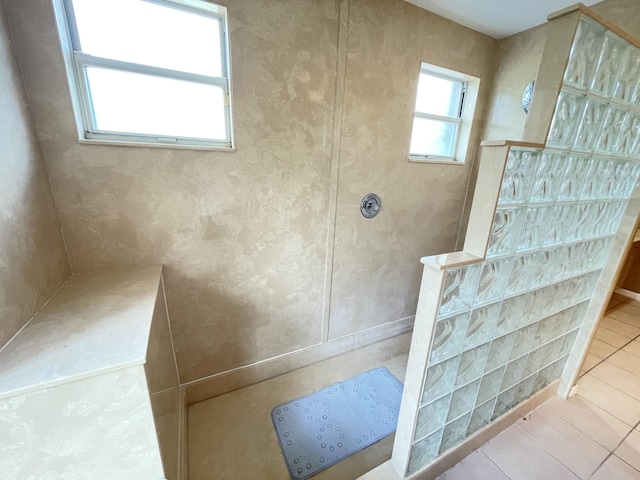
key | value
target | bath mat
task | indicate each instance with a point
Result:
(317, 431)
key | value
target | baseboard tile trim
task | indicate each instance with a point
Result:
(627, 293)
(224, 382)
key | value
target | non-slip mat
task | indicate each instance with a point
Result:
(321, 429)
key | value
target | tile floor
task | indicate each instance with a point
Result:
(592, 435)
(231, 436)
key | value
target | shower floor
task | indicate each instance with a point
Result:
(232, 437)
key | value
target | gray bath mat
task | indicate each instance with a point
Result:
(321, 429)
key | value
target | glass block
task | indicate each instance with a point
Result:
(590, 125)
(613, 214)
(565, 119)
(440, 379)
(463, 400)
(575, 168)
(580, 261)
(432, 417)
(621, 171)
(504, 402)
(584, 54)
(582, 222)
(518, 176)
(533, 229)
(561, 323)
(511, 314)
(551, 222)
(568, 341)
(448, 338)
(533, 307)
(554, 298)
(544, 334)
(521, 273)
(522, 343)
(455, 432)
(605, 172)
(548, 374)
(547, 177)
(614, 125)
(505, 231)
(580, 288)
(590, 184)
(566, 225)
(576, 315)
(600, 220)
(499, 352)
(490, 385)
(626, 85)
(542, 274)
(535, 361)
(481, 416)
(424, 451)
(608, 65)
(472, 363)
(493, 279)
(552, 350)
(598, 252)
(513, 373)
(524, 389)
(482, 325)
(562, 261)
(459, 289)
(629, 183)
(628, 135)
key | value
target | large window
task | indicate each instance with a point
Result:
(151, 72)
(444, 109)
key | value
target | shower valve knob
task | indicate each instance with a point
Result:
(370, 205)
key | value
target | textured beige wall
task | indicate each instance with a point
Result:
(376, 267)
(517, 60)
(246, 237)
(33, 261)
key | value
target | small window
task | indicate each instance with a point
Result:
(444, 110)
(152, 72)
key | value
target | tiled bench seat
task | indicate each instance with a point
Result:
(89, 388)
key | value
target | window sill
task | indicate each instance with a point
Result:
(444, 161)
(176, 146)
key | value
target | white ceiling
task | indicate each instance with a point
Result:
(497, 18)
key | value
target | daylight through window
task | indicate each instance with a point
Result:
(442, 106)
(148, 71)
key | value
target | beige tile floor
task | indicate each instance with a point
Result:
(592, 435)
(231, 436)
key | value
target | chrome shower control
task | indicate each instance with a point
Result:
(370, 205)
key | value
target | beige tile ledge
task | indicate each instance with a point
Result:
(446, 261)
(510, 143)
(97, 323)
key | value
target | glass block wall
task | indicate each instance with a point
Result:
(505, 326)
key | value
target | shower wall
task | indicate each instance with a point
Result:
(323, 106)
(33, 260)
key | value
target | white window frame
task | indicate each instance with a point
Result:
(76, 61)
(464, 121)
